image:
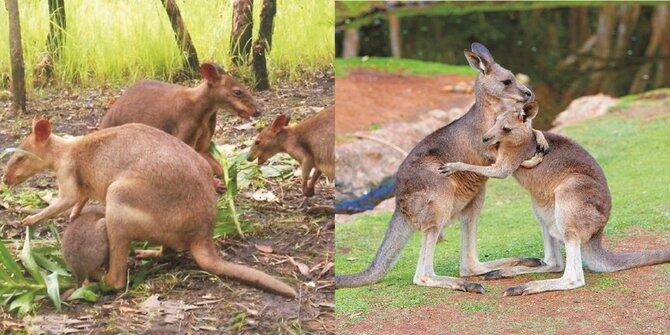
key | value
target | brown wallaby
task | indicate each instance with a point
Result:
(154, 187)
(570, 199)
(426, 201)
(189, 113)
(311, 142)
(84, 244)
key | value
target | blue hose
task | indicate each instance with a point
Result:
(369, 200)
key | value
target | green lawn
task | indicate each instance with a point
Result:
(398, 65)
(634, 153)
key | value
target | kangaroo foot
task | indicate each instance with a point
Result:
(518, 270)
(449, 282)
(540, 286)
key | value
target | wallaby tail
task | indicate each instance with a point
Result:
(205, 254)
(397, 235)
(600, 260)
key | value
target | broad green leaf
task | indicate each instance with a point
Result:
(47, 264)
(53, 289)
(23, 304)
(28, 260)
(84, 293)
(232, 184)
(11, 265)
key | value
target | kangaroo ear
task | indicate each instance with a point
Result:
(42, 130)
(208, 72)
(530, 111)
(280, 122)
(481, 51)
(476, 62)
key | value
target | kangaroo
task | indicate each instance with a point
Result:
(571, 200)
(189, 113)
(427, 201)
(154, 187)
(311, 142)
(84, 244)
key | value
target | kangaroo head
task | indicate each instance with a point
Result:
(513, 127)
(493, 80)
(228, 93)
(33, 156)
(270, 140)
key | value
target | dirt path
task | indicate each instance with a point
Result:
(176, 297)
(367, 98)
(634, 301)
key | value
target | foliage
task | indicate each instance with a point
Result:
(396, 65)
(630, 151)
(120, 42)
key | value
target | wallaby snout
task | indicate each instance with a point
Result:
(485, 139)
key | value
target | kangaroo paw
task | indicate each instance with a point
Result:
(474, 288)
(495, 274)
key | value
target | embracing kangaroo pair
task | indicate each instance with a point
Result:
(426, 200)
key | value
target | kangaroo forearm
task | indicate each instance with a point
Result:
(51, 211)
(491, 171)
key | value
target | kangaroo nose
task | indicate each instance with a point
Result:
(486, 139)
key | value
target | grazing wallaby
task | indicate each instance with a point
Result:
(154, 187)
(426, 201)
(84, 244)
(311, 142)
(570, 199)
(189, 113)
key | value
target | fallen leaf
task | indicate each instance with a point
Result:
(264, 195)
(264, 248)
(326, 269)
(304, 269)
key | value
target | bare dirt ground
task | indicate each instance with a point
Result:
(367, 98)
(634, 301)
(176, 297)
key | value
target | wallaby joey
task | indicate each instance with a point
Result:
(427, 202)
(154, 187)
(311, 142)
(84, 244)
(189, 113)
(570, 199)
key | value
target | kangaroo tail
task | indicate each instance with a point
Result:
(205, 254)
(397, 235)
(601, 260)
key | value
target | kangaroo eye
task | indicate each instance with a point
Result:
(257, 142)
(507, 82)
(507, 130)
(237, 92)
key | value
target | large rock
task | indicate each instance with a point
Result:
(363, 163)
(584, 108)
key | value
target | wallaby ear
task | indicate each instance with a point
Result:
(208, 72)
(477, 62)
(42, 130)
(280, 122)
(530, 111)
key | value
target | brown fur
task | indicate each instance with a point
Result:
(570, 198)
(427, 201)
(189, 113)
(311, 143)
(84, 244)
(155, 188)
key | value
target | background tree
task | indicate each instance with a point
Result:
(16, 56)
(240, 35)
(182, 36)
(263, 44)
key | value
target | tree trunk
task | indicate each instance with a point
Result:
(350, 43)
(628, 16)
(56, 37)
(659, 31)
(16, 56)
(190, 60)
(394, 34)
(240, 36)
(263, 44)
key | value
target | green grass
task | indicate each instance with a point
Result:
(634, 154)
(398, 65)
(119, 42)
